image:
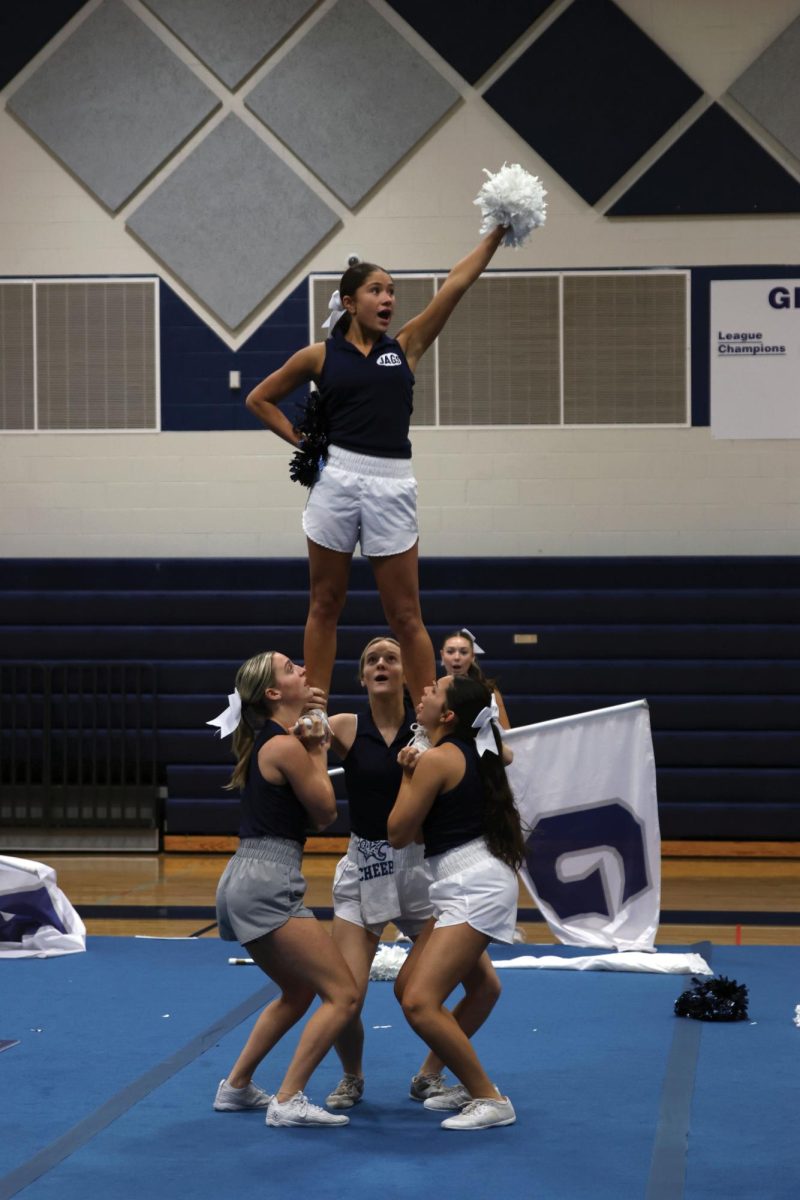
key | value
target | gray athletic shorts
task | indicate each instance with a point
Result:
(260, 889)
(362, 498)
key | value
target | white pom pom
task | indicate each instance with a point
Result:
(387, 962)
(512, 197)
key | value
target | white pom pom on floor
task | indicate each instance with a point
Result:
(512, 197)
(387, 962)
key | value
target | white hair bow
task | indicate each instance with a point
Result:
(484, 722)
(228, 721)
(475, 645)
(337, 311)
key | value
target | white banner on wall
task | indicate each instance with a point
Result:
(755, 358)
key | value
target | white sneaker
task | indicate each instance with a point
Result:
(231, 1099)
(347, 1092)
(423, 1086)
(482, 1114)
(298, 1110)
(449, 1099)
(420, 740)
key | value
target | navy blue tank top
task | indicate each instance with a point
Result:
(457, 816)
(270, 809)
(368, 398)
(373, 777)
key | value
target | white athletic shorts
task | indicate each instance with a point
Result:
(412, 881)
(472, 887)
(360, 498)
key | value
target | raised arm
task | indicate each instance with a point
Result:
(417, 334)
(305, 769)
(343, 733)
(263, 401)
(424, 776)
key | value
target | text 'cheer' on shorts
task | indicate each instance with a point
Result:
(361, 498)
(412, 880)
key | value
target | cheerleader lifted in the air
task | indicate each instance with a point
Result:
(364, 490)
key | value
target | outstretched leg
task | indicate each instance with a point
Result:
(397, 577)
(329, 572)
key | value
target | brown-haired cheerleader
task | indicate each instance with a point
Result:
(456, 797)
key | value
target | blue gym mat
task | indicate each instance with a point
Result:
(110, 1090)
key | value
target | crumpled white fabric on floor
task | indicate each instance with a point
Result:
(660, 963)
(36, 918)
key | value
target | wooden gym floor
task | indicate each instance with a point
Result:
(722, 892)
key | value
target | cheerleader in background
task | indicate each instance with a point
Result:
(458, 656)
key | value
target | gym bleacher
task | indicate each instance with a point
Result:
(713, 644)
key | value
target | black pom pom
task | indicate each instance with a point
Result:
(313, 451)
(717, 999)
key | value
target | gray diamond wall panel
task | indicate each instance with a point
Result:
(112, 103)
(592, 94)
(232, 221)
(351, 99)
(770, 89)
(230, 36)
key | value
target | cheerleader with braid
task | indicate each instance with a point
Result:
(456, 798)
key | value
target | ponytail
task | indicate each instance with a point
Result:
(502, 826)
(252, 680)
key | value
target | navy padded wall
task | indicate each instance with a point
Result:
(464, 34)
(21, 38)
(715, 167)
(592, 94)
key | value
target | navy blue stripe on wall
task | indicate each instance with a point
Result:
(701, 279)
(195, 363)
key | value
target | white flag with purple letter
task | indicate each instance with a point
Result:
(36, 918)
(585, 787)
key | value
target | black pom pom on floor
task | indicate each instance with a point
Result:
(717, 999)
